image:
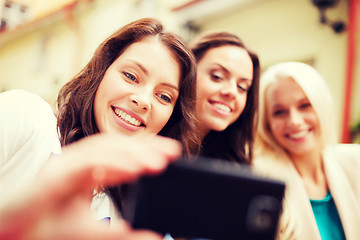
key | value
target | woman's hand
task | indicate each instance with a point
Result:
(57, 204)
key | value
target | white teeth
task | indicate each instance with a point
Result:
(126, 117)
(222, 107)
(298, 135)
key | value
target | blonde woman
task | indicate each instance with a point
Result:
(297, 142)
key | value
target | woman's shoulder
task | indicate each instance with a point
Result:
(23, 108)
(345, 156)
(26, 112)
(15, 94)
(344, 152)
(24, 99)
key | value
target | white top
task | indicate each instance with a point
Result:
(28, 137)
(102, 207)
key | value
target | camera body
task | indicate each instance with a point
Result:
(206, 198)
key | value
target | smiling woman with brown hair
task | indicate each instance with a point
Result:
(77, 99)
(227, 96)
(121, 90)
(140, 83)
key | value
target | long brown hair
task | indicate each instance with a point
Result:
(235, 143)
(76, 98)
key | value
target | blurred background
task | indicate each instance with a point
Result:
(43, 44)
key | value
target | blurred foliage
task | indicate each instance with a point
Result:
(355, 133)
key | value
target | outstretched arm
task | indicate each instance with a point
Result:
(57, 204)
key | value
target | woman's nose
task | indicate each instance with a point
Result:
(140, 101)
(229, 90)
(295, 117)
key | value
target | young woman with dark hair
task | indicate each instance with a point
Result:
(140, 83)
(76, 100)
(227, 96)
(122, 90)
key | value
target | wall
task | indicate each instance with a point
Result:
(44, 55)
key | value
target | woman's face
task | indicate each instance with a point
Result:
(224, 76)
(139, 90)
(291, 117)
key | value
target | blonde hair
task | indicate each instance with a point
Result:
(270, 157)
(316, 90)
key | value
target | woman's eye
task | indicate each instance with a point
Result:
(130, 76)
(165, 98)
(279, 112)
(305, 105)
(215, 77)
(242, 88)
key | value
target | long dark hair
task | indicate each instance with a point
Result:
(76, 98)
(235, 143)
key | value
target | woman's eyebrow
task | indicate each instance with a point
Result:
(222, 68)
(170, 85)
(146, 72)
(142, 67)
(228, 72)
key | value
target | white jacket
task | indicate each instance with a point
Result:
(342, 169)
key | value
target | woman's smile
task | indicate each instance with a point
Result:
(220, 108)
(128, 118)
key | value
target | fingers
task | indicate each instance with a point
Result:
(169, 147)
(153, 153)
(110, 159)
(99, 159)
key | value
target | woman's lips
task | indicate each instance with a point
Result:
(220, 108)
(129, 118)
(298, 135)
